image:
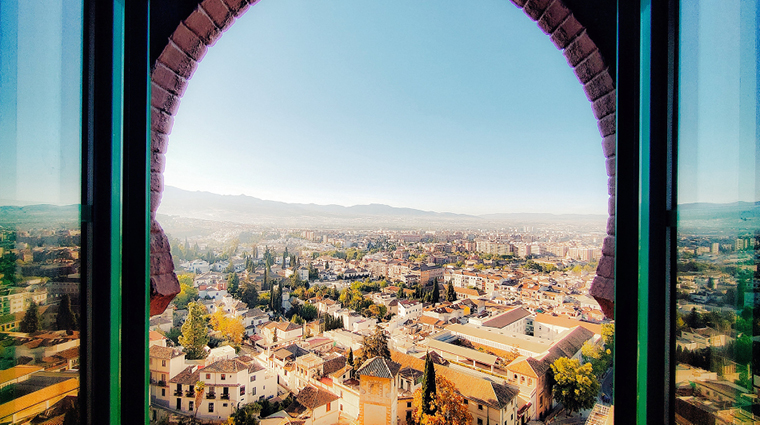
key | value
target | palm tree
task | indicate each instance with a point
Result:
(200, 388)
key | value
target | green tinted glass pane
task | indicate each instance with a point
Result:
(718, 286)
(40, 196)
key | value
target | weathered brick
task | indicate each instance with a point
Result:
(609, 165)
(155, 202)
(161, 263)
(607, 125)
(163, 100)
(203, 26)
(566, 31)
(534, 8)
(177, 60)
(218, 12)
(590, 67)
(237, 7)
(608, 146)
(611, 205)
(608, 246)
(578, 49)
(603, 291)
(519, 3)
(158, 142)
(611, 185)
(168, 79)
(157, 162)
(163, 288)
(553, 16)
(599, 86)
(161, 121)
(606, 267)
(189, 42)
(611, 225)
(604, 106)
(157, 182)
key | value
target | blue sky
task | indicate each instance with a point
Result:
(427, 105)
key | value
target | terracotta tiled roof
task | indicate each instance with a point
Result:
(226, 366)
(569, 344)
(506, 319)
(163, 353)
(567, 322)
(475, 389)
(379, 367)
(528, 366)
(312, 397)
(187, 377)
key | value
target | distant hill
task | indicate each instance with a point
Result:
(250, 210)
(42, 215)
(740, 217)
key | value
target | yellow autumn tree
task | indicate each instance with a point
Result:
(447, 405)
(231, 328)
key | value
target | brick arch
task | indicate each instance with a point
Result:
(206, 24)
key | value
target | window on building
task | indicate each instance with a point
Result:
(328, 407)
(480, 421)
(208, 376)
(242, 390)
(163, 362)
(253, 378)
(480, 407)
(163, 392)
(408, 404)
(191, 405)
(223, 377)
(211, 407)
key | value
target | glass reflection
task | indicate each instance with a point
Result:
(40, 232)
(718, 286)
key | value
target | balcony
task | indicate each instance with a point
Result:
(190, 393)
(225, 396)
(178, 393)
(161, 383)
(210, 396)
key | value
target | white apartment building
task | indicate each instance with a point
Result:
(409, 309)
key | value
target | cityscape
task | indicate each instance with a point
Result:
(357, 326)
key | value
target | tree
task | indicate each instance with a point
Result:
(598, 356)
(65, 320)
(575, 386)
(232, 283)
(200, 388)
(375, 345)
(188, 292)
(194, 332)
(451, 294)
(436, 294)
(231, 328)
(350, 359)
(245, 415)
(248, 294)
(448, 406)
(428, 388)
(32, 321)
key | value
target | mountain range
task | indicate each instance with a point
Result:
(251, 210)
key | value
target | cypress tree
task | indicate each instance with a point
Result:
(436, 293)
(66, 320)
(428, 387)
(451, 294)
(32, 321)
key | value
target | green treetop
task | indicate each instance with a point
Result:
(32, 321)
(194, 332)
(428, 387)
